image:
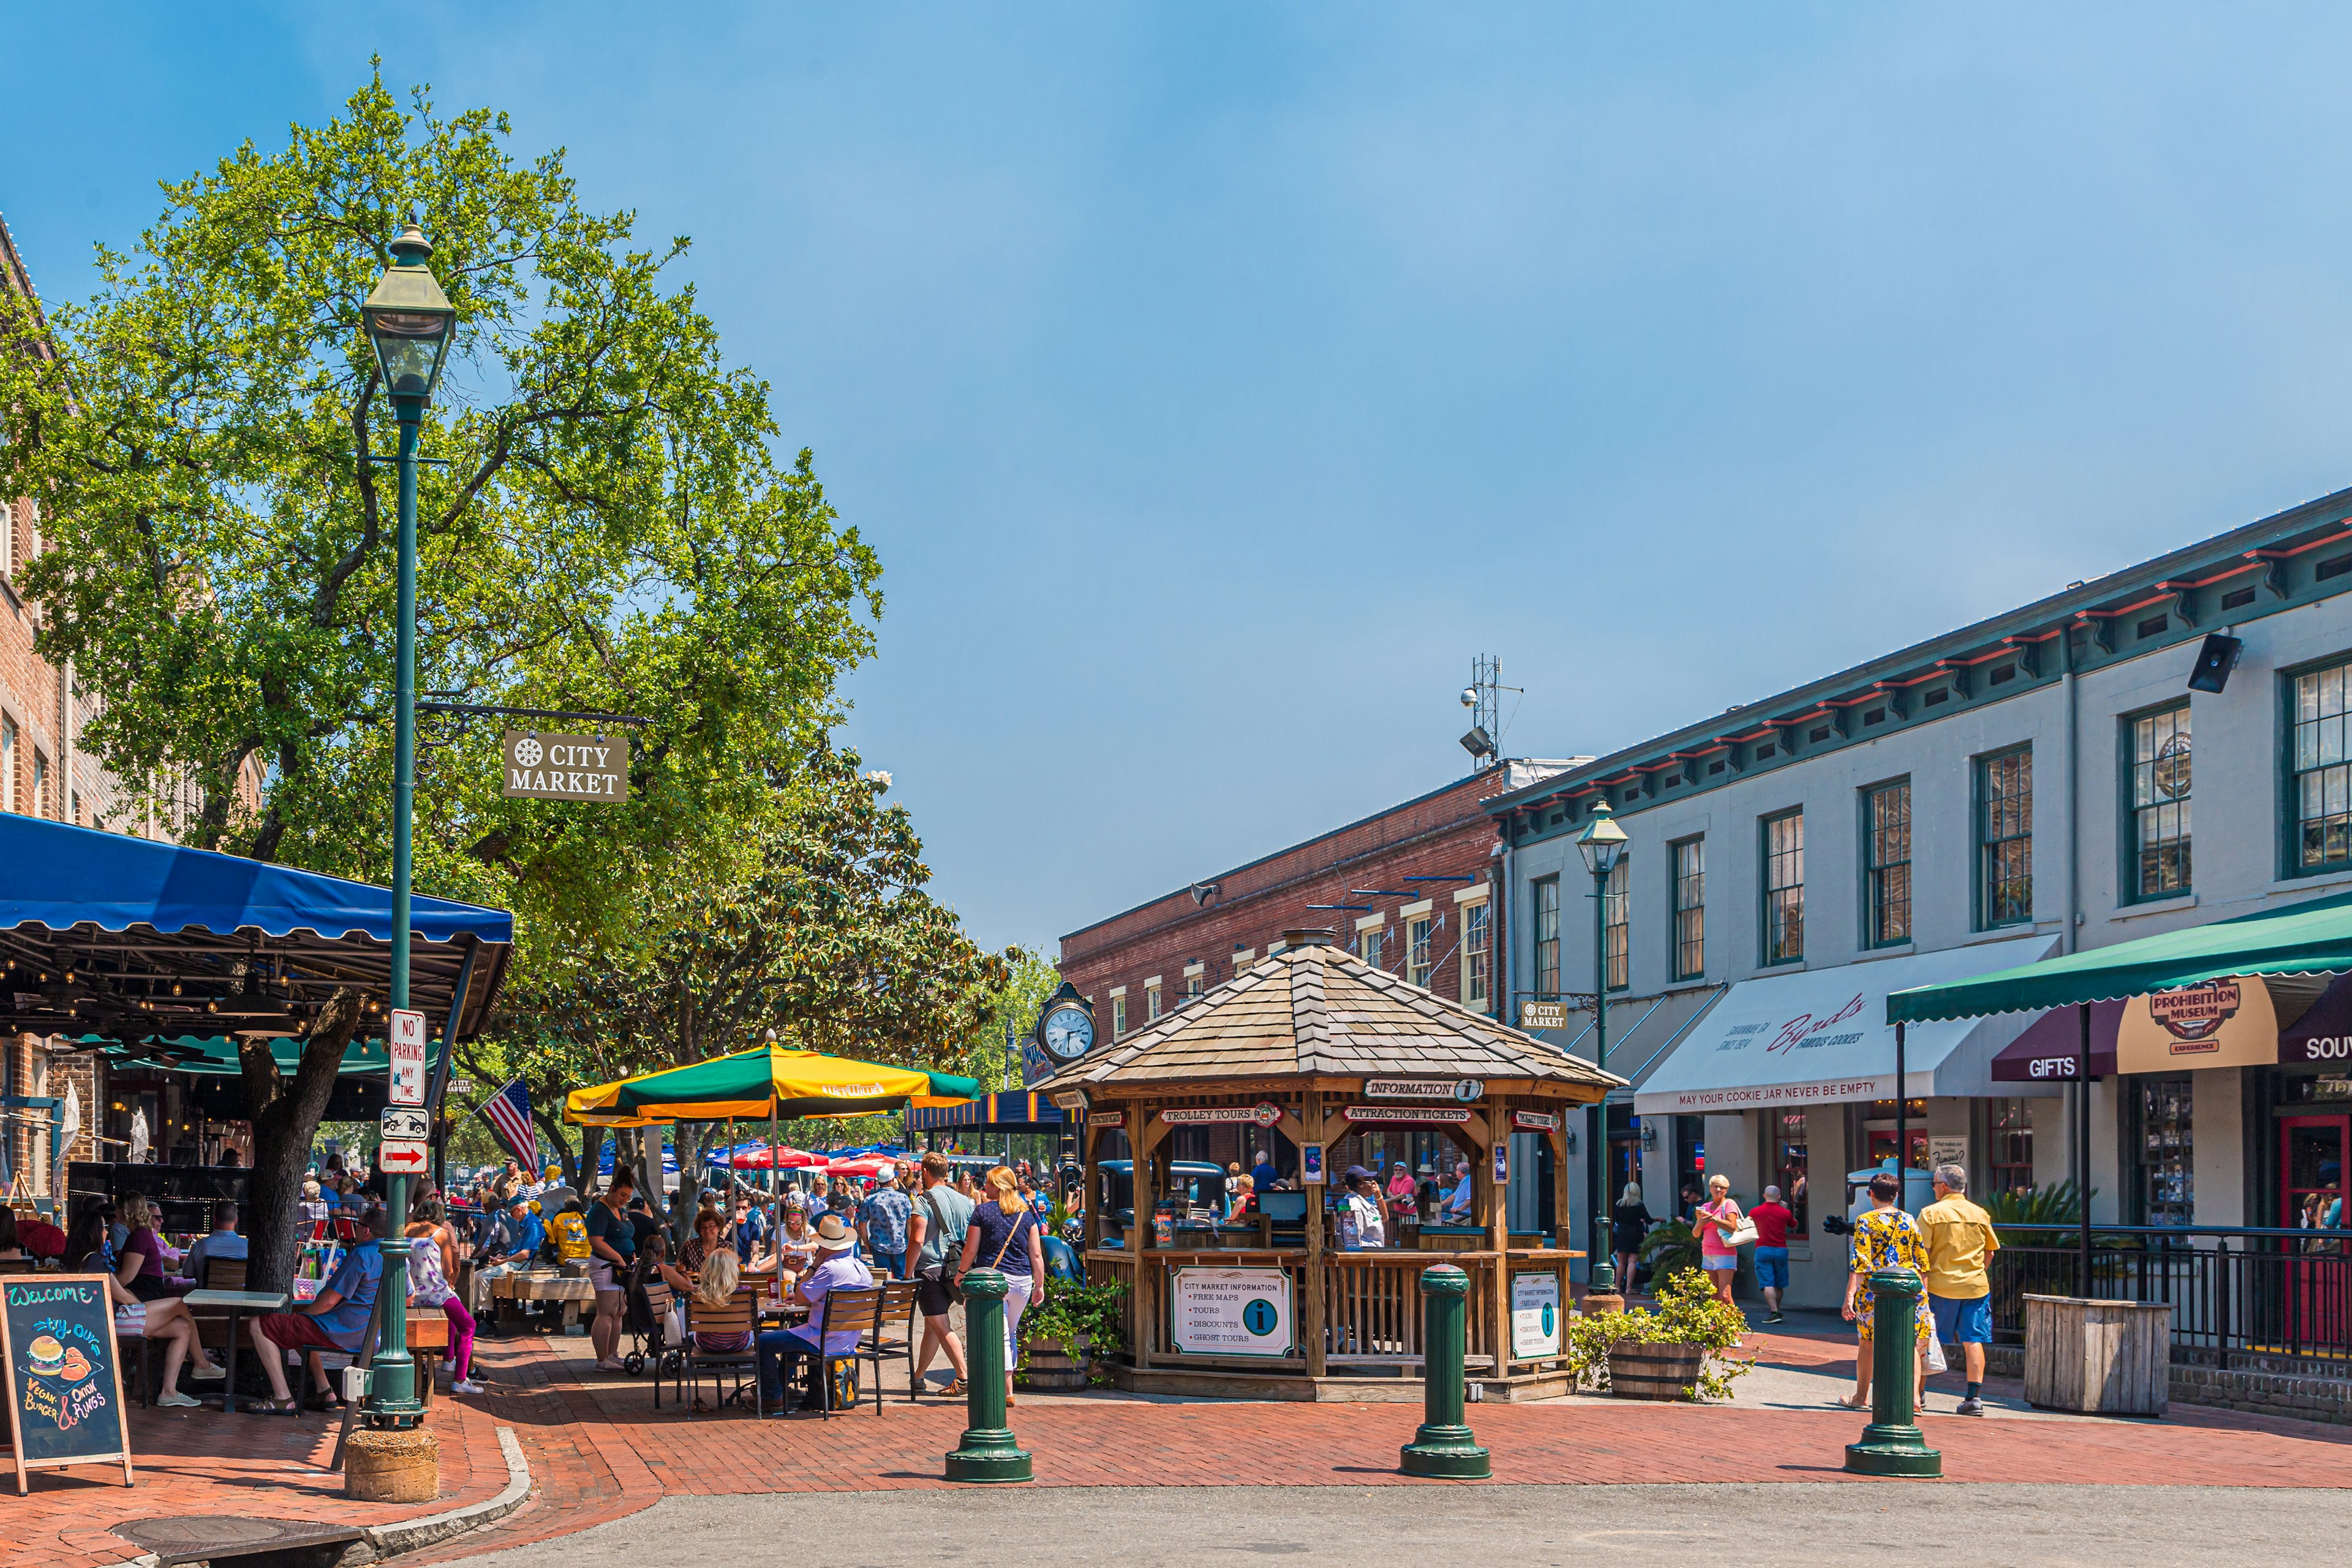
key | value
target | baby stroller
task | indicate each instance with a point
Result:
(645, 1318)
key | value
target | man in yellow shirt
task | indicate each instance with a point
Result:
(1960, 1242)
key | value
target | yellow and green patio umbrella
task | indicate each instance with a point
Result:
(774, 1080)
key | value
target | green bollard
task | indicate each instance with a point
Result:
(988, 1452)
(1444, 1449)
(1893, 1445)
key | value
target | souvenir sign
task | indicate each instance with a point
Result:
(1535, 1316)
(62, 1378)
(1310, 1165)
(1230, 1312)
(1419, 1115)
(1261, 1115)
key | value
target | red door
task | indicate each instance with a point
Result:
(2311, 1197)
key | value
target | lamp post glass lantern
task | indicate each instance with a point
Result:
(409, 324)
(1602, 845)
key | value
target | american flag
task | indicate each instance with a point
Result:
(508, 1114)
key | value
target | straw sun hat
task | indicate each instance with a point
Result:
(831, 1235)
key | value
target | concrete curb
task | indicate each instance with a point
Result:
(409, 1534)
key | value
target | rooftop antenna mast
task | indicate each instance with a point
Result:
(1484, 698)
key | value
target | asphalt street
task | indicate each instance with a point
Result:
(1817, 1525)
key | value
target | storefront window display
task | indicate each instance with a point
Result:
(2165, 1147)
(2009, 1141)
(1789, 1159)
(1878, 1127)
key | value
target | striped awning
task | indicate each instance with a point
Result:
(989, 1110)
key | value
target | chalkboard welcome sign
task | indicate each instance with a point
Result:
(64, 1380)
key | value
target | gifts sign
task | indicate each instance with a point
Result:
(64, 1380)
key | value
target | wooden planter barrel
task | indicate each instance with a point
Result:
(1050, 1367)
(2106, 1358)
(1653, 1372)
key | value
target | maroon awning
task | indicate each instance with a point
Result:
(2324, 1034)
(2046, 1051)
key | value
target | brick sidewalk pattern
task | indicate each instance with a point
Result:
(599, 1452)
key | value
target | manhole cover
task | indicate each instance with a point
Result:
(201, 1539)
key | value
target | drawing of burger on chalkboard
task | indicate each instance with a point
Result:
(45, 1356)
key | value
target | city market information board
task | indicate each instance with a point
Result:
(62, 1375)
(1231, 1311)
(1535, 1316)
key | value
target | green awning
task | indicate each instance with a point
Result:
(2309, 939)
(217, 1054)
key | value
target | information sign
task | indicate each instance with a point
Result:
(62, 1377)
(1232, 1312)
(1535, 1316)
(1462, 1088)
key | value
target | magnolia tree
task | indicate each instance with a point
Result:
(604, 526)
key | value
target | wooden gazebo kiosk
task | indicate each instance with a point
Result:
(1315, 1056)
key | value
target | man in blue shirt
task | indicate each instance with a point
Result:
(1263, 1175)
(837, 1268)
(336, 1319)
(882, 1226)
(517, 1238)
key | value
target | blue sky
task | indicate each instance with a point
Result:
(1215, 380)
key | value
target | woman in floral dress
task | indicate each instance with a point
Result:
(1886, 1237)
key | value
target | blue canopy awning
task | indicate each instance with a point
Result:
(134, 941)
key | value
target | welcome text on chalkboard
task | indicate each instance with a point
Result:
(63, 1375)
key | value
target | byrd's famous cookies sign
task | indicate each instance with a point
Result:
(2225, 1023)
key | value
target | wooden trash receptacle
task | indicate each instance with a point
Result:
(1653, 1372)
(2103, 1358)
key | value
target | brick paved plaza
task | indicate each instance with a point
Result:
(599, 1453)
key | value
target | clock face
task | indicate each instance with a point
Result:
(1070, 1032)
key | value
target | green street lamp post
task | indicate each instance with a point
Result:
(1602, 845)
(409, 322)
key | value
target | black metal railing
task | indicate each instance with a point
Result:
(2241, 1296)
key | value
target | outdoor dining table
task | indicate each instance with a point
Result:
(238, 1303)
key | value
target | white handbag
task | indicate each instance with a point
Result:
(1936, 1362)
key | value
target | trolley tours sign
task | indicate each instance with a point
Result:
(1263, 1114)
(1232, 1312)
(566, 767)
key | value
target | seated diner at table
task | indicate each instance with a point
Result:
(336, 1319)
(221, 1241)
(838, 1269)
(166, 1322)
(140, 1257)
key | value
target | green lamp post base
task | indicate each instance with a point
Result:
(1445, 1454)
(988, 1456)
(1893, 1451)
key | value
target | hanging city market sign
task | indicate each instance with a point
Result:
(1534, 1016)
(539, 766)
(1419, 1115)
(1261, 1114)
(1462, 1088)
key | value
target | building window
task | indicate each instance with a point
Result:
(8, 761)
(2323, 776)
(1789, 1159)
(2013, 1147)
(2159, 803)
(1118, 1014)
(1242, 958)
(1784, 887)
(1886, 863)
(1478, 957)
(1690, 909)
(1194, 979)
(1547, 893)
(1372, 946)
(1151, 1001)
(2164, 1151)
(2005, 838)
(1616, 928)
(1417, 963)
(40, 783)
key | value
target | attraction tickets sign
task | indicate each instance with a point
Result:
(1231, 1312)
(540, 766)
(1261, 1114)
(1410, 1115)
(2227, 1023)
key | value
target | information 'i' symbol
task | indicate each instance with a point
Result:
(1259, 1317)
(527, 752)
(1549, 1321)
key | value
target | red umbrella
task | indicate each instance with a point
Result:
(863, 1165)
(786, 1157)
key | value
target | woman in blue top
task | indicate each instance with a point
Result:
(1004, 1235)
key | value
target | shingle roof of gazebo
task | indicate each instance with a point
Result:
(1316, 1009)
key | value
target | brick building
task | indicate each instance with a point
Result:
(1408, 889)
